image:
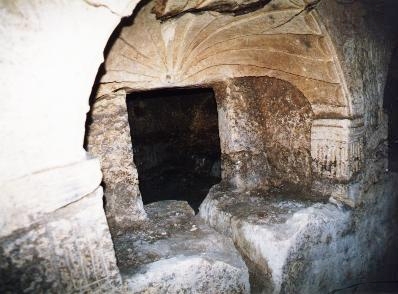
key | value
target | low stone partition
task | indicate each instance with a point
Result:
(298, 246)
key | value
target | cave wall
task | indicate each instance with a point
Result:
(69, 250)
(363, 34)
(282, 39)
(55, 55)
(50, 55)
(53, 232)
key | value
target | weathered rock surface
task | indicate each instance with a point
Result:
(170, 8)
(66, 251)
(265, 134)
(50, 54)
(173, 251)
(109, 138)
(300, 247)
(28, 199)
(53, 231)
(48, 45)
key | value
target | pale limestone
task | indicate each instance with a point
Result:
(170, 8)
(303, 247)
(187, 275)
(49, 56)
(284, 39)
(30, 198)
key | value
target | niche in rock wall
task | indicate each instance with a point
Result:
(176, 143)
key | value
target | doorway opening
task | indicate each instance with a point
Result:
(176, 143)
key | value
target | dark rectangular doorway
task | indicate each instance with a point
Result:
(176, 143)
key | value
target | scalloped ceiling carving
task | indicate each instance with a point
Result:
(281, 40)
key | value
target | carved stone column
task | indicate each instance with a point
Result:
(337, 154)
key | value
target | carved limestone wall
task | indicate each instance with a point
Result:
(284, 39)
(50, 54)
(169, 8)
(363, 38)
(337, 148)
(55, 55)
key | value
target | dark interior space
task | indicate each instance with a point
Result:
(176, 143)
(391, 106)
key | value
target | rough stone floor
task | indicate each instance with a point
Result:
(174, 251)
(242, 242)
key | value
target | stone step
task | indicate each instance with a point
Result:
(176, 252)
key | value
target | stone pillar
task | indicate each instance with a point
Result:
(265, 126)
(244, 162)
(109, 139)
(337, 148)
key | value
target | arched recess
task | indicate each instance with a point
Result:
(285, 40)
(281, 40)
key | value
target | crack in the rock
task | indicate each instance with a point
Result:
(307, 8)
(96, 4)
(221, 8)
(229, 9)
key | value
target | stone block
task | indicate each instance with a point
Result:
(295, 246)
(109, 139)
